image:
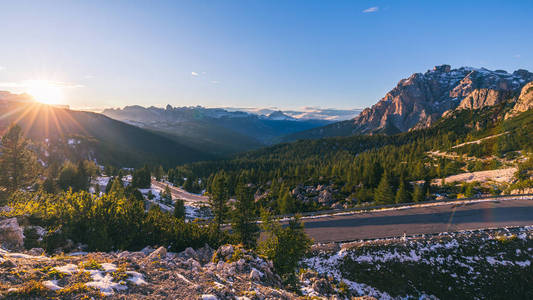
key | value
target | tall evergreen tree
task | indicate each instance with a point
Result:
(243, 223)
(418, 194)
(402, 195)
(18, 165)
(166, 196)
(179, 209)
(141, 178)
(286, 202)
(219, 197)
(383, 193)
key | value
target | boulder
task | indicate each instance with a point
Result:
(255, 275)
(36, 251)
(11, 234)
(159, 253)
(204, 254)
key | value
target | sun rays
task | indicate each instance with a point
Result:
(46, 119)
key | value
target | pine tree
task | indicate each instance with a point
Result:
(158, 173)
(141, 178)
(179, 209)
(402, 195)
(166, 196)
(286, 202)
(219, 196)
(418, 194)
(383, 193)
(285, 246)
(117, 189)
(18, 165)
(244, 226)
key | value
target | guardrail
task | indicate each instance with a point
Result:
(376, 207)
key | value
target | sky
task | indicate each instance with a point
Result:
(285, 54)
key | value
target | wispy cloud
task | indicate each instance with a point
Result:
(515, 56)
(215, 81)
(371, 9)
(195, 74)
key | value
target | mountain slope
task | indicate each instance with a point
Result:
(219, 131)
(421, 99)
(107, 140)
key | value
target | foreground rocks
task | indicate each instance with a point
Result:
(230, 272)
(11, 234)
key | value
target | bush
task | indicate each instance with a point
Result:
(109, 222)
(285, 246)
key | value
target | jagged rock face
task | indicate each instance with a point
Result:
(525, 100)
(421, 99)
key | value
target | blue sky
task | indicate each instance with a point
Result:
(285, 54)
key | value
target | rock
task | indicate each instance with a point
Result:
(158, 254)
(8, 264)
(147, 250)
(11, 234)
(480, 98)
(325, 197)
(204, 254)
(194, 264)
(225, 252)
(337, 205)
(189, 253)
(36, 251)
(524, 102)
(255, 275)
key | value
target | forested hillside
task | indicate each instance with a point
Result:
(344, 171)
(96, 136)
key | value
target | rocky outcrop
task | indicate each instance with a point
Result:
(480, 98)
(230, 272)
(421, 99)
(524, 102)
(11, 234)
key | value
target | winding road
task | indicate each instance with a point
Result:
(178, 193)
(429, 219)
(421, 220)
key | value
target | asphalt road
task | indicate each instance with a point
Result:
(178, 193)
(420, 220)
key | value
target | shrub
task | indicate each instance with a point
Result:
(285, 246)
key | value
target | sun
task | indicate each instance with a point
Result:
(45, 91)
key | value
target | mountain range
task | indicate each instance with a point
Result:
(423, 98)
(219, 131)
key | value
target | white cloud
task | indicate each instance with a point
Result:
(2, 68)
(371, 9)
(215, 81)
(195, 74)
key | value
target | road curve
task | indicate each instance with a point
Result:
(420, 220)
(178, 193)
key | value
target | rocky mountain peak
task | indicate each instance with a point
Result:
(421, 99)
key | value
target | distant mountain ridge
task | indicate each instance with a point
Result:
(423, 98)
(216, 130)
